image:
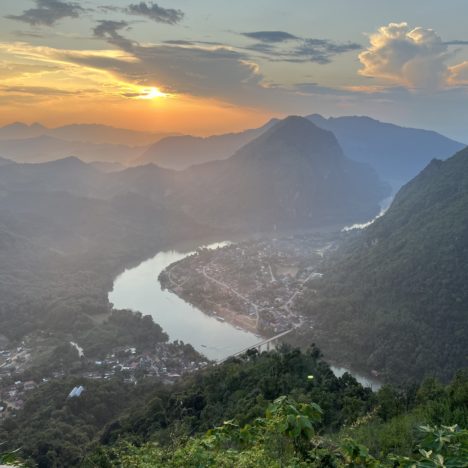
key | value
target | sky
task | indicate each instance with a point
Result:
(212, 66)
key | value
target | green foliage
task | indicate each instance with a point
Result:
(250, 411)
(9, 457)
(395, 296)
(55, 431)
(286, 437)
(444, 447)
(241, 389)
(122, 328)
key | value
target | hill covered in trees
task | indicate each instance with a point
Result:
(395, 297)
(283, 407)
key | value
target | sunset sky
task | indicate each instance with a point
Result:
(211, 66)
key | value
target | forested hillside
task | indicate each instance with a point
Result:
(395, 298)
(276, 409)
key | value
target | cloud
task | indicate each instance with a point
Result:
(270, 36)
(37, 90)
(10, 70)
(321, 50)
(156, 13)
(415, 58)
(281, 46)
(198, 70)
(179, 42)
(109, 28)
(459, 74)
(48, 12)
(456, 42)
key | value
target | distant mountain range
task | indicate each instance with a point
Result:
(86, 133)
(4, 161)
(181, 152)
(46, 148)
(294, 174)
(396, 297)
(397, 153)
(36, 143)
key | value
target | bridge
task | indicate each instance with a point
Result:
(264, 345)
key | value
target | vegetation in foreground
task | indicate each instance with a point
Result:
(318, 419)
(286, 437)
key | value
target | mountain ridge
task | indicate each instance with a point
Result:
(395, 297)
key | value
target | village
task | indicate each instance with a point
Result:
(254, 284)
(166, 361)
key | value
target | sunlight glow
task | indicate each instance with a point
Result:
(152, 93)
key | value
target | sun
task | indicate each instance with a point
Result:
(152, 93)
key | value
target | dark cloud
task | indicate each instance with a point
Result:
(456, 42)
(321, 51)
(48, 12)
(156, 13)
(109, 28)
(270, 36)
(212, 71)
(281, 46)
(109, 8)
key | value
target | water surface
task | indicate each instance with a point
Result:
(138, 289)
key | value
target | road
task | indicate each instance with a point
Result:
(226, 286)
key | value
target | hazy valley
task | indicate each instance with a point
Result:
(233, 236)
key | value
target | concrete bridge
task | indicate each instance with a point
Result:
(264, 345)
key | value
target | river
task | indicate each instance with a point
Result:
(138, 289)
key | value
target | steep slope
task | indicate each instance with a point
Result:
(397, 153)
(180, 152)
(293, 175)
(395, 299)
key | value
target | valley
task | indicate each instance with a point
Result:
(252, 284)
(233, 234)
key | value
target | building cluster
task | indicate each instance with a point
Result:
(260, 279)
(167, 361)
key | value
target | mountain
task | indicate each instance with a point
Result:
(294, 174)
(397, 153)
(86, 133)
(20, 130)
(4, 161)
(180, 152)
(100, 134)
(110, 166)
(395, 298)
(68, 174)
(46, 148)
